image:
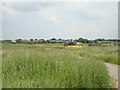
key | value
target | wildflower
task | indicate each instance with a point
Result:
(74, 46)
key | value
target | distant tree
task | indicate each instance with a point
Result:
(47, 41)
(76, 40)
(118, 40)
(100, 39)
(6, 41)
(53, 39)
(59, 39)
(82, 40)
(42, 41)
(115, 40)
(103, 39)
(18, 40)
(31, 40)
(90, 41)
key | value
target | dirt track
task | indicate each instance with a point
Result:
(113, 71)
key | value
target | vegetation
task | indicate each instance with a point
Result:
(0, 66)
(59, 40)
(106, 53)
(38, 66)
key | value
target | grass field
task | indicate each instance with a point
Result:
(47, 66)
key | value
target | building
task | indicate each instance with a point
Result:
(14, 41)
(104, 42)
(70, 42)
(24, 41)
(41, 40)
(78, 43)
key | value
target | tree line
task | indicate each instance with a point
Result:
(54, 40)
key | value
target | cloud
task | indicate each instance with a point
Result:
(43, 9)
(48, 13)
(92, 11)
(7, 8)
(73, 19)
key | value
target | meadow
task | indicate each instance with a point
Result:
(56, 66)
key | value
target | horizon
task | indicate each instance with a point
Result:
(62, 38)
(89, 20)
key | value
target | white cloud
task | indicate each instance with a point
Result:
(7, 9)
(48, 13)
(73, 20)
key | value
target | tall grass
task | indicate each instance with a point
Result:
(36, 67)
(103, 53)
(0, 66)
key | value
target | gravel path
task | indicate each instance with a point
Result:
(113, 71)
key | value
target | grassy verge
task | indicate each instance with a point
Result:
(103, 53)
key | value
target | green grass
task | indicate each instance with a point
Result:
(0, 66)
(108, 54)
(38, 67)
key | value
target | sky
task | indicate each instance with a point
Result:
(66, 20)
